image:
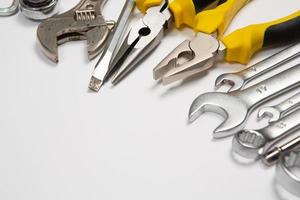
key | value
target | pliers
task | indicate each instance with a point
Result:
(146, 34)
(200, 53)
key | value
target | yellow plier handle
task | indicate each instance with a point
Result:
(143, 5)
(184, 11)
(217, 20)
(243, 43)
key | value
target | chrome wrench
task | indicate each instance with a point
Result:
(237, 106)
(238, 80)
(10, 10)
(253, 144)
(274, 113)
(286, 173)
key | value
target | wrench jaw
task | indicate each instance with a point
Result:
(83, 22)
(269, 112)
(248, 144)
(232, 109)
(234, 82)
(48, 44)
(96, 39)
(52, 33)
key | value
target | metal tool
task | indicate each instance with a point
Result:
(141, 40)
(238, 80)
(286, 172)
(183, 61)
(83, 22)
(103, 70)
(199, 54)
(10, 10)
(252, 144)
(146, 34)
(39, 9)
(274, 113)
(289, 143)
(236, 106)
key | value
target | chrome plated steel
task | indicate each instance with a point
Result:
(238, 80)
(10, 10)
(236, 106)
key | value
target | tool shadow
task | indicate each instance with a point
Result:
(193, 80)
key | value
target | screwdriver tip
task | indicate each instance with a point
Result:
(95, 84)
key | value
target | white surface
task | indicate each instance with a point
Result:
(58, 141)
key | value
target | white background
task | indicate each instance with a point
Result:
(59, 142)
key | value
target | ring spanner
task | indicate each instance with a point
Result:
(252, 144)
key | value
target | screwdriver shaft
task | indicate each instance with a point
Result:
(102, 68)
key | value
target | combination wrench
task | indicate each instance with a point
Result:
(239, 80)
(253, 144)
(237, 106)
(274, 113)
(287, 173)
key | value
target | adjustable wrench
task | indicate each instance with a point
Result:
(83, 22)
(238, 80)
(252, 144)
(274, 113)
(236, 106)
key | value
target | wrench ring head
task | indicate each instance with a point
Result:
(248, 144)
(287, 177)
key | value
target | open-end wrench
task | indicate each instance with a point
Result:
(238, 80)
(252, 144)
(237, 106)
(274, 113)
